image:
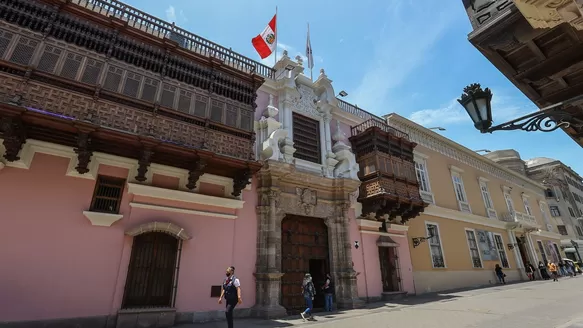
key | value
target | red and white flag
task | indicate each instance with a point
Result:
(264, 43)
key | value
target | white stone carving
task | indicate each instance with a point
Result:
(305, 102)
(346, 166)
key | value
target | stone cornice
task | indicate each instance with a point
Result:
(453, 150)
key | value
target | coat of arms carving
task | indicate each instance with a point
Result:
(307, 199)
(306, 101)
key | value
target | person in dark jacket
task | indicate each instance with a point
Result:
(232, 293)
(309, 291)
(328, 289)
(500, 274)
(543, 271)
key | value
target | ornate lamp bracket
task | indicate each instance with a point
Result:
(419, 240)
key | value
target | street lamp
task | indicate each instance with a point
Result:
(438, 128)
(483, 150)
(477, 102)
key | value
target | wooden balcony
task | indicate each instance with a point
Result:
(96, 86)
(387, 171)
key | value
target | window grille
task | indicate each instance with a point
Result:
(107, 195)
(306, 135)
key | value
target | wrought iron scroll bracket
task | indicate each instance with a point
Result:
(545, 120)
(419, 240)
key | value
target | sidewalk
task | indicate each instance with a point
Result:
(369, 308)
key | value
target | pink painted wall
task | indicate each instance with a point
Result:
(367, 264)
(60, 266)
(345, 128)
(262, 101)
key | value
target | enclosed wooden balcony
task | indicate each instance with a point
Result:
(387, 171)
(101, 76)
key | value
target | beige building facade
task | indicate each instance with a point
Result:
(480, 214)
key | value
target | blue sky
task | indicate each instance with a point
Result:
(411, 57)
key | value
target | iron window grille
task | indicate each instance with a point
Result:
(107, 195)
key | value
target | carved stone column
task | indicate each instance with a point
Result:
(268, 268)
(342, 271)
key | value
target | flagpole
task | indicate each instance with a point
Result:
(312, 65)
(276, 34)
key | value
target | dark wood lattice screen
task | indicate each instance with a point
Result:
(107, 195)
(306, 138)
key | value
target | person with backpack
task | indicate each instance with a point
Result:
(328, 289)
(309, 291)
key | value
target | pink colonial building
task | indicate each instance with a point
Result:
(139, 160)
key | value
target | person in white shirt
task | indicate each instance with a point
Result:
(232, 293)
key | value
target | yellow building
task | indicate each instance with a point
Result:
(480, 214)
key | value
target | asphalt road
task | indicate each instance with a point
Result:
(526, 305)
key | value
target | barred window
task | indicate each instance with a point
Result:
(306, 135)
(435, 246)
(474, 251)
(501, 251)
(555, 211)
(562, 230)
(107, 195)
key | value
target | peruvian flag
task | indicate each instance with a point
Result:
(264, 43)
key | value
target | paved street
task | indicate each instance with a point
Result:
(525, 305)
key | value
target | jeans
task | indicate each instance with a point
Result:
(501, 277)
(563, 271)
(308, 304)
(328, 302)
(229, 312)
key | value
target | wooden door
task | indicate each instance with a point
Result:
(150, 280)
(389, 269)
(303, 239)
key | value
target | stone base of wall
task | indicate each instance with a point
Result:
(441, 280)
(85, 322)
(131, 319)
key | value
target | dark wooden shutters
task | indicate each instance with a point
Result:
(306, 138)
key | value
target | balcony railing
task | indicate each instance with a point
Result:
(358, 112)
(519, 217)
(374, 123)
(162, 29)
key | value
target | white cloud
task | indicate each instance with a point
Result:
(398, 51)
(175, 17)
(171, 14)
(504, 108)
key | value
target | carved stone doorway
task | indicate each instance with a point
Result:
(304, 250)
(285, 192)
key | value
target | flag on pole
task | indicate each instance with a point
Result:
(309, 50)
(264, 43)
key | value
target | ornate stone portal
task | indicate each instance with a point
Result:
(282, 191)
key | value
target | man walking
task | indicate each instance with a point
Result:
(328, 289)
(232, 293)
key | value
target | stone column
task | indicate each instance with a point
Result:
(341, 257)
(268, 268)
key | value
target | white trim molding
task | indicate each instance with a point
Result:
(183, 196)
(379, 233)
(182, 210)
(446, 213)
(454, 168)
(102, 219)
(549, 234)
(417, 154)
(484, 180)
(363, 223)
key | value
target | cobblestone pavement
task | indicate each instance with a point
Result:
(535, 304)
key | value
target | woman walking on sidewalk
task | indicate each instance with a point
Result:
(543, 271)
(309, 292)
